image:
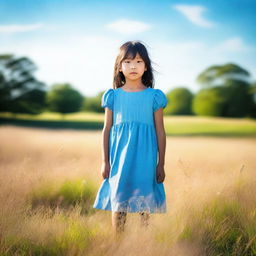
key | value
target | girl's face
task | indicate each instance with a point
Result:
(133, 69)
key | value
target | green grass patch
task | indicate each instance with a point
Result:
(203, 126)
(75, 240)
(68, 194)
(224, 226)
(76, 237)
(174, 125)
(47, 116)
(13, 245)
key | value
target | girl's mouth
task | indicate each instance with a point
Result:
(133, 73)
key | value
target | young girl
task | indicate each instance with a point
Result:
(134, 140)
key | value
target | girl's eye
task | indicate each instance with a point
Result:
(127, 61)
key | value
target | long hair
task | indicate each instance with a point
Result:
(130, 49)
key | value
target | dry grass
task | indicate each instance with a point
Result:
(197, 170)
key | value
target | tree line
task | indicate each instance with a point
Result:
(225, 91)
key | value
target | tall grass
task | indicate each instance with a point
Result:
(225, 225)
(49, 180)
(65, 195)
(75, 239)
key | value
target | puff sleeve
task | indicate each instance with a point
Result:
(107, 99)
(160, 100)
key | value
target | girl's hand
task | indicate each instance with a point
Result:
(160, 173)
(105, 169)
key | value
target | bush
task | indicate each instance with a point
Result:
(180, 100)
(209, 102)
(64, 99)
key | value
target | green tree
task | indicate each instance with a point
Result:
(64, 99)
(93, 103)
(236, 99)
(20, 91)
(217, 75)
(209, 102)
(252, 92)
(180, 100)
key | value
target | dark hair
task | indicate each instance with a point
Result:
(130, 49)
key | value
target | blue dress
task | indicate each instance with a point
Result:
(133, 153)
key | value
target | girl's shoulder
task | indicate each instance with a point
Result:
(160, 99)
(158, 93)
(107, 99)
(157, 90)
(109, 91)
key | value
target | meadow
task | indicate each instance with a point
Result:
(174, 125)
(49, 179)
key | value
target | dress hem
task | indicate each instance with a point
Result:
(130, 211)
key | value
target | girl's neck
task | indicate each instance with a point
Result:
(134, 85)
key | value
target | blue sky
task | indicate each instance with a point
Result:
(77, 41)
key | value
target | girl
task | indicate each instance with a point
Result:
(134, 140)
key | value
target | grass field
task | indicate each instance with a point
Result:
(49, 179)
(174, 125)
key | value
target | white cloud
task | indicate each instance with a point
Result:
(10, 29)
(194, 14)
(235, 44)
(128, 27)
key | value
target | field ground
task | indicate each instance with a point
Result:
(198, 170)
(174, 125)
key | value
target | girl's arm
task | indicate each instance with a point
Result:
(105, 166)
(105, 133)
(161, 138)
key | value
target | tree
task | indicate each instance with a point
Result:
(217, 75)
(180, 100)
(64, 99)
(252, 92)
(209, 102)
(20, 91)
(236, 99)
(93, 103)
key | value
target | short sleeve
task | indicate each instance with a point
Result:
(160, 100)
(107, 99)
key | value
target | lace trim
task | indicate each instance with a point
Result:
(139, 204)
